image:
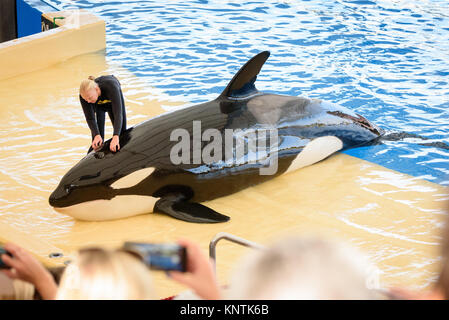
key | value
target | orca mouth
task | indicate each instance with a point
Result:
(361, 121)
(58, 195)
(71, 194)
(55, 201)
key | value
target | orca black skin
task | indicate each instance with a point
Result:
(106, 185)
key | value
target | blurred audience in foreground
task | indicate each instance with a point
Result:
(26, 268)
(100, 274)
(440, 290)
(291, 268)
(302, 268)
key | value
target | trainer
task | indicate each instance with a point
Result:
(98, 96)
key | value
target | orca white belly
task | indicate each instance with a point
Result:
(117, 208)
(316, 150)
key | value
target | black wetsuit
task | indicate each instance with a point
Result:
(110, 101)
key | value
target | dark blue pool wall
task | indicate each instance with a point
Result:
(29, 15)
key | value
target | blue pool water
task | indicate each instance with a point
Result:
(387, 60)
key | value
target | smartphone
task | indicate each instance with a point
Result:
(162, 256)
(2, 264)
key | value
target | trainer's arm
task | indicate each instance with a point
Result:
(90, 117)
(117, 106)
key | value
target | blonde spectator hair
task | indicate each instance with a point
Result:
(98, 274)
(87, 85)
(296, 268)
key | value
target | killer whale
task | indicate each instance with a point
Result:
(143, 178)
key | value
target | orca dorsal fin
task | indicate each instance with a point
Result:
(243, 82)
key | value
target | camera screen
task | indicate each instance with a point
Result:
(165, 256)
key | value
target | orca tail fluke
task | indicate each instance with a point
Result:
(420, 140)
(242, 84)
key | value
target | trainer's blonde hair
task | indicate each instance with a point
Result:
(87, 84)
(98, 274)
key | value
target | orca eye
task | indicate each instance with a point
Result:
(68, 188)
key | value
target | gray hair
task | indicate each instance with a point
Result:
(302, 268)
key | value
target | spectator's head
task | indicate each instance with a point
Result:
(98, 274)
(302, 269)
(443, 280)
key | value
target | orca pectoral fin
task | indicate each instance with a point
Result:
(188, 211)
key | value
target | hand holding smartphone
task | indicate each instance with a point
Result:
(2, 264)
(162, 256)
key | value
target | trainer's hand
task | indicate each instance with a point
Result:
(115, 144)
(27, 268)
(200, 275)
(97, 142)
